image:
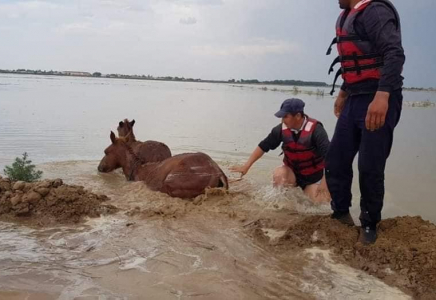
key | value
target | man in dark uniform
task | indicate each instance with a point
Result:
(305, 143)
(368, 107)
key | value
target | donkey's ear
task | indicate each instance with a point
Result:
(113, 138)
(132, 123)
(121, 124)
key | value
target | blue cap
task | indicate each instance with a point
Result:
(292, 105)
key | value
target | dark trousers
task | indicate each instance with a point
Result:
(374, 147)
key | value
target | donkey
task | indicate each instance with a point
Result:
(185, 175)
(148, 151)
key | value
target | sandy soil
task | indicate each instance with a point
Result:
(49, 202)
(403, 256)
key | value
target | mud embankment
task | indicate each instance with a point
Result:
(49, 202)
(403, 256)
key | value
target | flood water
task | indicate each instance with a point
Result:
(58, 119)
(64, 124)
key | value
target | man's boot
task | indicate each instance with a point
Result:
(343, 217)
(367, 235)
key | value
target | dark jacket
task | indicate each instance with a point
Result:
(378, 24)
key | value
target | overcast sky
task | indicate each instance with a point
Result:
(208, 39)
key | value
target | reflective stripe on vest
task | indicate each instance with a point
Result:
(300, 154)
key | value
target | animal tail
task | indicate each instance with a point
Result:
(223, 182)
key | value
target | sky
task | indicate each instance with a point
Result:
(207, 39)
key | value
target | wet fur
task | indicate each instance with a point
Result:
(185, 175)
(148, 151)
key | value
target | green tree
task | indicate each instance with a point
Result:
(23, 170)
(96, 74)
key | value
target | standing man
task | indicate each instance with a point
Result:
(305, 143)
(368, 107)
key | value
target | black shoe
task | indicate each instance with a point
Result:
(343, 217)
(367, 235)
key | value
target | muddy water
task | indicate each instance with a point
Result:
(69, 119)
(163, 248)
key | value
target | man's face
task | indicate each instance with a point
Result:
(344, 4)
(292, 122)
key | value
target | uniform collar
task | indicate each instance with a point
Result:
(296, 130)
(360, 3)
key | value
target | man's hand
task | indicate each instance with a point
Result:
(340, 103)
(257, 153)
(376, 115)
(239, 169)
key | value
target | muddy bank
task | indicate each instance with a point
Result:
(214, 200)
(49, 202)
(403, 256)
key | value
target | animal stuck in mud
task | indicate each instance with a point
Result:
(147, 152)
(185, 175)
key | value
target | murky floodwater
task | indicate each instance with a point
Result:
(63, 118)
(163, 248)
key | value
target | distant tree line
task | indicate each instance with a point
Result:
(280, 82)
(420, 89)
(164, 78)
(171, 78)
(34, 72)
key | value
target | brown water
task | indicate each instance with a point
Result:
(158, 247)
(163, 248)
(69, 119)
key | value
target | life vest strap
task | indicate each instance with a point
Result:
(288, 149)
(358, 68)
(343, 58)
(329, 50)
(337, 60)
(305, 164)
(362, 67)
(338, 73)
(314, 160)
(350, 38)
(356, 64)
(360, 56)
(342, 39)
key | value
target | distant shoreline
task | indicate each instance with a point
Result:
(182, 79)
(165, 78)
